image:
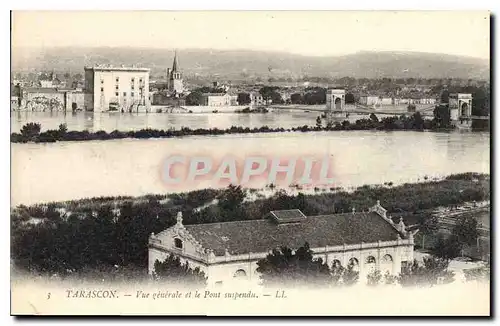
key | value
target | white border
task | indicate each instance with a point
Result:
(185, 5)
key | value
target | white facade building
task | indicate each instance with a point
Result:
(219, 99)
(117, 89)
(225, 251)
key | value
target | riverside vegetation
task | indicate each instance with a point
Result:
(31, 132)
(107, 237)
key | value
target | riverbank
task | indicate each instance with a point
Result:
(31, 132)
(104, 232)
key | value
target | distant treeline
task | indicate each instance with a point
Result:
(31, 132)
(111, 234)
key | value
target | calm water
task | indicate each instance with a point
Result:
(72, 170)
(135, 121)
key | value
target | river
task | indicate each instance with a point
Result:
(135, 121)
(73, 170)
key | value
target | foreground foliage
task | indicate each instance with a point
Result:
(70, 237)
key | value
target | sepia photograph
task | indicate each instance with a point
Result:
(250, 163)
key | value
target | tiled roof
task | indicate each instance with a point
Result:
(319, 231)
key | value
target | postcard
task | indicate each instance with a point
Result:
(250, 163)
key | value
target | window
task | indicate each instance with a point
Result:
(102, 81)
(102, 89)
(370, 260)
(132, 80)
(116, 87)
(132, 86)
(117, 79)
(336, 263)
(132, 94)
(140, 80)
(387, 259)
(116, 94)
(178, 243)
(124, 93)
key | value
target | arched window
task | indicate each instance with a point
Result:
(370, 260)
(387, 259)
(178, 243)
(240, 273)
(354, 264)
(386, 265)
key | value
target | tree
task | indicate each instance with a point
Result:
(442, 116)
(194, 98)
(446, 247)
(418, 121)
(465, 231)
(31, 130)
(244, 98)
(374, 278)
(433, 271)
(349, 98)
(318, 122)
(63, 129)
(296, 98)
(270, 93)
(231, 198)
(285, 267)
(350, 275)
(373, 117)
(428, 226)
(173, 271)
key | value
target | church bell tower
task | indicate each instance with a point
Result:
(175, 78)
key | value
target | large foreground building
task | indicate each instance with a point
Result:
(121, 89)
(224, 251)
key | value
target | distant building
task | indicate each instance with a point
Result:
(174, 77)
(218, 99)
(230, 251)
(256, 99)
(117, 89)
(373, 100)
(50, 81)
(51, 99)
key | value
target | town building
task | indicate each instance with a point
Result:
(50, 81)
(219, 99)
(109, 88)
(50, 99)
(256, 99)
(367, 240)
(378, 101)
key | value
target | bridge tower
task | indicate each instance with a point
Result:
(335, 104)
(460, 105)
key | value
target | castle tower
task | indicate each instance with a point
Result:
(175, 78)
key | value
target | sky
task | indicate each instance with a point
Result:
(317, 33)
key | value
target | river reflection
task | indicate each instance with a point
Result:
(136, 121)
(72, 170)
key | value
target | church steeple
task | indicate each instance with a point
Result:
(174, 66)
